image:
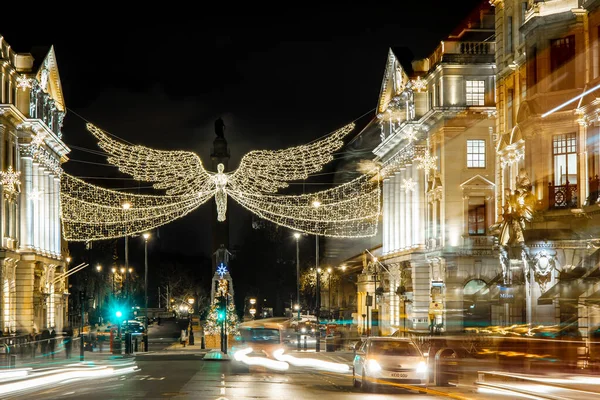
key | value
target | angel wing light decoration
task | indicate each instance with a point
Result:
(90, 212)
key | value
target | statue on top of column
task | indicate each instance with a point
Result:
(220, 128)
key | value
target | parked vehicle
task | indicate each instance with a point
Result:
(381, 359)
(132, 326)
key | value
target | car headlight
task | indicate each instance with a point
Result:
(421, 367)
(373, 366)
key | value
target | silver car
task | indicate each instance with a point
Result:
(388, 359)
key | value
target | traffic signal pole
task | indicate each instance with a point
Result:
(82, 297)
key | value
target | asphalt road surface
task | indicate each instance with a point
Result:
(215, 380)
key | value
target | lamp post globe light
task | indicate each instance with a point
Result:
(316, 204)
(146, 236)
(297, 237)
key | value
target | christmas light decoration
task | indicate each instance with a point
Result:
(35, 195)
(427, 162)
(24, 82)
(419, 84)
(222, 270)
(38, 139)
(408, 185)
(10, 180)
(90, 212)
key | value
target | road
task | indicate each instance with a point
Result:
(187, 379)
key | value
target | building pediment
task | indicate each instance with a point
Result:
(49, 79)
(394, 80)
(477, 182)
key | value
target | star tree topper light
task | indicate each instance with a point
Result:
(90, 212)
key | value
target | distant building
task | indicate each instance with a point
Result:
(33, 292)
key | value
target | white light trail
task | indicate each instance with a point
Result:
(311, 362)
(566, 103)
(242, 356)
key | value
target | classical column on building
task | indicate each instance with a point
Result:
(408, 190)
(418, 208)
(24, 290)
(387, 223)
(26, 231)
(400, 209)
(396, 212)
(421, 285)
(57, 227)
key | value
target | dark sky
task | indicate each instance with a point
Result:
(280, 75)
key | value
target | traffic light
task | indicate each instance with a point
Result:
(118, 314)
(221, 309)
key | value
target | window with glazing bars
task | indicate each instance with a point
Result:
(475, 93)
(564, 152)
(475, 153)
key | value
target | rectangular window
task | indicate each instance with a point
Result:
(475, 92)
(509, 35)
(477, 224)
(564, 152)
(562, 66)
(475, 153)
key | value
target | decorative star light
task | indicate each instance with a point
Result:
(408, 185)
(24, 82)
(35, 195)
(427, 162)
(10, 180)
(222, 270)
(410, 134)
(419, 84)
(90, 212)
(38, 139)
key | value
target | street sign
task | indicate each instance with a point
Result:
(507, 295)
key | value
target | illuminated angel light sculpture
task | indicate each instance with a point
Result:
(89, 212)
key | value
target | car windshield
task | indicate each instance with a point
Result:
(261, 335)
(394, 348)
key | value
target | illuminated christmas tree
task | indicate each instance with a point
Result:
(213, 323)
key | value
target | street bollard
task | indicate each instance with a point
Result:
(305, 343)
(135, 345)
(298, 340)
(203, 343)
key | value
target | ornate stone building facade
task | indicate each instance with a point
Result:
(33, 290)
(548, 88)
(437, 121)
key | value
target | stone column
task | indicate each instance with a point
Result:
(408, 211)
(421, 294)
(400, 209)
(57, 223)
(418, 208)
(46, 204)
(26, 234)
(386, 216)
(49, 198)
(392, 198)
(24, 295)
(36, 209)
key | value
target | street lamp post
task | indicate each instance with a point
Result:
(297, 236)
(99, 269)
(126, 206)
(329, 270)
(146, 236)
(317, 204)
(114, 271)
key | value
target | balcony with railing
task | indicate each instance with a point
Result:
(562, 196)
(463, 51)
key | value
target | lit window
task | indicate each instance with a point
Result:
(475, 153)
(564, 151)
(475, 93)
(477, 226)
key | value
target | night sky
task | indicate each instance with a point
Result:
(277, 76)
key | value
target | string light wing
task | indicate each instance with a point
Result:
(179, 172)
(349, 210)
(267, 171)
(89, 212)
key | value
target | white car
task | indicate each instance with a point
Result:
(381, 359)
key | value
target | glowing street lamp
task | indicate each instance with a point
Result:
(98, 267)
